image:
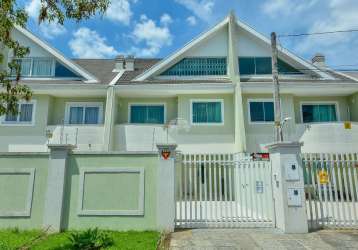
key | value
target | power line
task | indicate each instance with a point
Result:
(319, 33)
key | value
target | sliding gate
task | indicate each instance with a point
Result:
(331, 186)
(223, 190)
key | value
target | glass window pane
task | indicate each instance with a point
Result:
(25, 66)
(285, 68)
(42, 67)
(263, 65)
(138, 114)
(247, 65)
(155, 114)
(26, 112)
(257, 112)
(91, 115)
(11, 117)
(308, 113)
(269, 112)
(214, 112)
(76, 115)
(200, 114)
(62, 71)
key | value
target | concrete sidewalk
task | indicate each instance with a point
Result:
(210, 239)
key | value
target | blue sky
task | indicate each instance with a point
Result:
(155, 28)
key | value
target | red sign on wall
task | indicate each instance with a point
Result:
(165, 154)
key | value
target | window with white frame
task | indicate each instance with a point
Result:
(261, 111)
(36, 67)
(84, 113)
(319, 112)
(25, 114)
(147, 113)
(207, 112)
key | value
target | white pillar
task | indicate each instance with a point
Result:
(56, 180)
(288, 187)
(166, 187)
(109, 119)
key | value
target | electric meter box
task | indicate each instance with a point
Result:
(294, 197)
(292, 171)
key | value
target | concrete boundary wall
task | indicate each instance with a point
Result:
(115, 191)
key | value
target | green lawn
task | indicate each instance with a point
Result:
(13, 239)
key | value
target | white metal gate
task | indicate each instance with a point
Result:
(220, 190)
(331, 186)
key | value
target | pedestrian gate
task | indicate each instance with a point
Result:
(223, 190)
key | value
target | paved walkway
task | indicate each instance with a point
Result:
(225, 239)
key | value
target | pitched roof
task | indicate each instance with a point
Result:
(140, 65)
(101, 68)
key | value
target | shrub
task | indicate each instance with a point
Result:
(91, 239)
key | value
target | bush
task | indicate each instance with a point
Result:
(91, 239)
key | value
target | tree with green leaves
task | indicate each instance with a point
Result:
(12, 14)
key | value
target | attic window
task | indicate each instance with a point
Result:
(263, 66)
(43, 67)
(198, 66)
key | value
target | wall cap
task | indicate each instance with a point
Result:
(169, 146)
(285, 144)
(61, 146)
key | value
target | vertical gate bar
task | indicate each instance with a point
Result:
(330, 187)
(261, 167)
(339, 169)
(180, 197)
(313, 176)
(254, 189)
(346, 191)
(230, 189)
(352, 195)
(205, 190)
(355, 181)
(210, 189)
(323, 189)
(195, 202)
(190, 194)
(335, 187)
(216, 189)
(309, 195)
(269, 195)
(319, 188)
(245, 192)
(239, 190)
(250, 187)
(220, 190)
(225, 190)
(235, 191)
(185, 190)
(238, 198)
(200, 189)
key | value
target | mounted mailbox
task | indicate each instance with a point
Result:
(292, 171)
(294, 197)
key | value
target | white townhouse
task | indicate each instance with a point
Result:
(212, 95)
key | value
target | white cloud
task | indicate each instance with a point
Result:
(52, 30)
(48, 30)
(203, 9)
(276, 8)
(165, 19)
(87, 43)
(341, 15)
(33, 8)
(191, 20)
(154, 37)
(120, 11)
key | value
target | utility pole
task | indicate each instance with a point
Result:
(276, 89)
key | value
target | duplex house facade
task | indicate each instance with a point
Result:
(212, 95)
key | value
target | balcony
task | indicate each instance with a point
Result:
(87, 138)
